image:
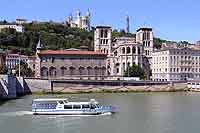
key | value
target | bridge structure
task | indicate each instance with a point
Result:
(11, 87)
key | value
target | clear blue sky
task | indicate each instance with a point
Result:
(170, 19)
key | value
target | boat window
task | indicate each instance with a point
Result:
(85, 106)
(97, 105)
(61, 102)
(76, 106)
(45, 105)
(92, 106)
(67, 106)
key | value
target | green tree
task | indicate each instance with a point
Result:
(135, 71)
(53, 36)
(25, 71)
(121, 33)
(3, 69)
(158, 42)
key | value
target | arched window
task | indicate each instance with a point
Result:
(72, 70)
(81, 70)
(44, 72)
(117, 67)
(115, 53)
(103, 70)
(89, 70)
(128, 50)
(143, 36)
(96, 71)
(123, 50)
(101, 33)
(105, 33)
(138, 50)
(124, 67)
(63, 71)
(134, 50)
(52, 71)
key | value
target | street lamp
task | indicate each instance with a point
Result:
(19, 65)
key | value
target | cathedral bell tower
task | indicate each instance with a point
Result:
(103, 39)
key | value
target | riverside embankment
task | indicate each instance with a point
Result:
(89, 86)
(12, 87)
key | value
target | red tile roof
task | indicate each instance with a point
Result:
(70, 52)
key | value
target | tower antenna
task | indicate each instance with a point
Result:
(127, 30)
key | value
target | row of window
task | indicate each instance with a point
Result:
(46, 106)
(104, 41)
(185, 57)
(52, 59)
(174, 58)
(178, 70)
(127, 50)
(146, 36)
(72, 71)
(147, 52)
(84, 106)
(184, 52)
(104, 33)
(146, 43)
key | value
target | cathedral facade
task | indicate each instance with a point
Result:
(124, 51)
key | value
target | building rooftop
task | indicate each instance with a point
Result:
(145, 28)
(99, 27)
(178, 48)
(21, 19)
(70, 52)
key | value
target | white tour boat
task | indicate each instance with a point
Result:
(64, 107)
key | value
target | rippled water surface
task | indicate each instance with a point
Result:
(138, 113)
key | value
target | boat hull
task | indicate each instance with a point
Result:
(68, 113)
(103, 110)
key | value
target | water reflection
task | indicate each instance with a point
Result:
(139, 113)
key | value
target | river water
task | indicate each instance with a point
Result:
(137, 113)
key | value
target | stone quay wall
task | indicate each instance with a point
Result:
(85, 86)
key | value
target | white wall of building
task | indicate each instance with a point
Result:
(175, 64)
(18, 28)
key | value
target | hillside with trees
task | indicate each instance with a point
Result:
(54, 36)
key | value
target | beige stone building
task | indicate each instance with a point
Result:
(70, 63)
(124, 51)
(145, 36)
(18, 28)
(103, 39)
(21, 21)
(82, 22)
(17, 25)
(175, 64)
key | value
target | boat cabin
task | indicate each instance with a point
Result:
(64, 104)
